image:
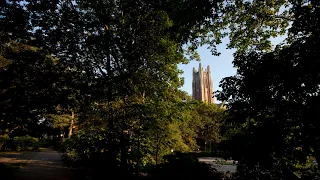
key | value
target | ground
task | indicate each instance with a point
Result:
(44, 165)
(47, 165)
(220, 164)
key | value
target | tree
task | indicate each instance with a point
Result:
(123, 56)
(22, 95)
(128, 50)
(273, 102)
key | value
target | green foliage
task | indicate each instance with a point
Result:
(273, 102)
(252, 24)
(46, 143)
(21, 143)
(113, 67)
(3, 139)
(89, 144)
(26, 143)
(25, 87)
(182, 165)
(165, 126)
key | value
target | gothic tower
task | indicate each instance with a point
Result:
(202, 88)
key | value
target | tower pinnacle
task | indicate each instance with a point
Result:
(202, 88)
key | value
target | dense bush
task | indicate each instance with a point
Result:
(3, 139)
(21, 143)
(26, 143)
(85, 147)
(66, 145)
(184, 165)
(45, 143)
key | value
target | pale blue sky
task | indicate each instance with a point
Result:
(220, 66)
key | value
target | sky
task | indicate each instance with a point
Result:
(220, 66)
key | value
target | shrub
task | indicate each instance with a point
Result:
(89, 144)
(44, 142)
(3, 139)
(85, 149)
(25, 143)
(66, 145)
(48, 142)
(185, 166)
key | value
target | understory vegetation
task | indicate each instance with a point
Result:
(99, 80)
(19, 143)
(191, 127)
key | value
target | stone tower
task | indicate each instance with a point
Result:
(202, 88)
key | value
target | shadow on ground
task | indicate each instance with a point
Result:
(7, 157)
(44, 165)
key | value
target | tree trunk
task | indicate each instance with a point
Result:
(139, 155)
(157, 148)
(71, 125)
(124, 152)
(112, 150)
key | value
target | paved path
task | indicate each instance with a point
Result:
(46, 165)
(217, 166)
(16, 157)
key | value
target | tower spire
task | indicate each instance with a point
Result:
(202, 87)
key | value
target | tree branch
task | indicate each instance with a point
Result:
(283, 17)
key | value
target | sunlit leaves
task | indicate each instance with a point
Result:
(273, 101)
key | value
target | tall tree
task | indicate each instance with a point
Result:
(127, 51)
(274, 98)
